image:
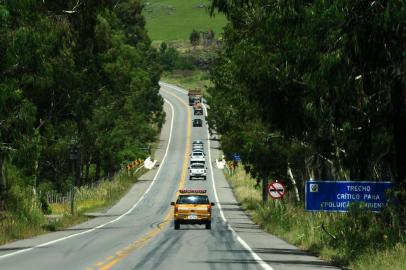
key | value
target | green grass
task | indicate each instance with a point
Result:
(361, 241)
(172, 21)
(393, 258)
(14, 227)
(104, 195)
(175, 19)
(28, 219)
(187, 79)
(32, 222)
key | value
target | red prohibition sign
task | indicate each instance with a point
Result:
(276, 190)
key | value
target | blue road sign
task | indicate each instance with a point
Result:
(236, 157)
(336, 196)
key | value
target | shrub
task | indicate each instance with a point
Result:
(169, 58)
(352, 238)
(194, 38)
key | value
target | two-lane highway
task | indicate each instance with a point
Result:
(193, 247)
(138, 232)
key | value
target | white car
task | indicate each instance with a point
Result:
(197, 142)
(197, 156)
(197, 169)
(197, 145)
(198, 148)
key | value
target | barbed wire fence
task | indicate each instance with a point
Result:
(87, 191)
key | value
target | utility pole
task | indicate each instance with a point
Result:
(74, 157)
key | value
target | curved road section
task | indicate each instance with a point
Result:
(138, 233)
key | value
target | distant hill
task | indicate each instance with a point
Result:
(175, 19)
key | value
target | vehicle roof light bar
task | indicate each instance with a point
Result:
(192, 191)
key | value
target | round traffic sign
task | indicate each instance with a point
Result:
(276, 190)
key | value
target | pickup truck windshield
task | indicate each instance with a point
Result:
(193, 199)
(198, 166)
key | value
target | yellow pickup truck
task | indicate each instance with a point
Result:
(192, 207)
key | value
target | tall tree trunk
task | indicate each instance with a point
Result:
(294, 183)
(37, 141)
(78, 173)
(310, 164)
(398, 97)
(364, 156)
(265, 188)
(3, 181)
(97, 173)
(87, 169)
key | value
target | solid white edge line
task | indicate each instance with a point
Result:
(116, 219)
(254, 255)
(174, 87)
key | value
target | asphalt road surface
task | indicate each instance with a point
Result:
(138, 232)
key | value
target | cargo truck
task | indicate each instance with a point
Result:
(194, 95)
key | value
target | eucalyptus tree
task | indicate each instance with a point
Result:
(323, 82)
(81, 70)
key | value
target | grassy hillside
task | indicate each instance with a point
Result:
(175, 19)
(188, 79)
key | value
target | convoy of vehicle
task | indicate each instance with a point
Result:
(195, 100)
(192, 207)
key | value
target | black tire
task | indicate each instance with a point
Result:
(204, 177)
(177, 225)
(208, 226)
(190, 178)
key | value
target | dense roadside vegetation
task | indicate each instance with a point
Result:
(186, 66)
(90, 201)
(317, 90)
(362, 249)
(324, 82)
(71, 72)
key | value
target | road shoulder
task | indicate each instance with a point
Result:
(120, 208)
(279, 254)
